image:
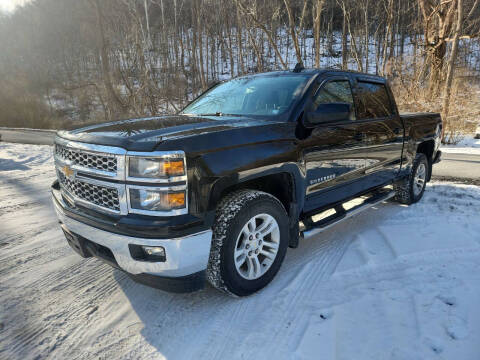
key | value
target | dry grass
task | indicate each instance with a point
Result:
(411, 94)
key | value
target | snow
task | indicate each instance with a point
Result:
(467, 145)
(396, 282)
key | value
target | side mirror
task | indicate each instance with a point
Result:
(328, 113)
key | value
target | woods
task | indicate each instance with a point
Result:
(73, 62)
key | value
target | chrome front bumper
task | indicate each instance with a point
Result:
(184, 256)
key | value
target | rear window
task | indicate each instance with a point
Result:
(373, 100)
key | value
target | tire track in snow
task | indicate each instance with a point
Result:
(26, 341)
(19, 207)
(323, 260)
(321, 271)
(68, 306)
(283, 304)
(222, 330)
(312, 265)
(69, 283)
(89, 276)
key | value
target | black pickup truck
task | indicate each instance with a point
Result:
(219, 191)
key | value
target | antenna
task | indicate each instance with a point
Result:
(298, 68)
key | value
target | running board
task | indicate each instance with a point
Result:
(375, 200)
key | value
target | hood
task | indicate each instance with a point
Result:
(146, 133)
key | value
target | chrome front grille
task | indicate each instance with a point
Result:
(85, 173)
(103, 196)
(89, 160)
(94, 176)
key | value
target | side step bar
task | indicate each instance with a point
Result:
(375, 200)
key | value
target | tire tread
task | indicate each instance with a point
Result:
(403, 188)
(227, 210)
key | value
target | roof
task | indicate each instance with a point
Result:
(313, 71)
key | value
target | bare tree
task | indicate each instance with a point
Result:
(318, 7)
(116, 107)
(92, 60)
(451, 63)
(438, 17)
(293, 31)
(251, 13)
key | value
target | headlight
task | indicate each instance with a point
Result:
(155, 168)
(156, 200)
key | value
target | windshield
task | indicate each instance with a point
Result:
(252, 95)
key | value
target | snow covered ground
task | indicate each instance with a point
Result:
(468, 145)
(395, 282)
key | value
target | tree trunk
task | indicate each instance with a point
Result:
(438, 18)
(388, 35)
(344, 39)
(451, 67)
(257, 51)
(316, 28)
(435, 57)
(391, 13)
(239, 30)
(367, 35)
(149, 38)
(199, 27)
(293, 31)
(115, 106)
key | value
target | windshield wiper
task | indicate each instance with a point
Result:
(218, 113)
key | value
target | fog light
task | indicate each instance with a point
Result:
(154, 253)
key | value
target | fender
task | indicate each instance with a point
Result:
(418, 132)
(236, 180)
(213, 173)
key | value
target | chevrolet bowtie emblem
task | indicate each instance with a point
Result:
(67, 171)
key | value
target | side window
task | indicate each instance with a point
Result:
(336, 91)
(373, 101)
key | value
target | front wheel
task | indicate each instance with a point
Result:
(250, 239)
(411, 189)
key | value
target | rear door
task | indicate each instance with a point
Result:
(333, 152)
(378, 120)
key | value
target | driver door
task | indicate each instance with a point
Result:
(333, 151)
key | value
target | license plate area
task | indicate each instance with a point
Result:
(76, 243)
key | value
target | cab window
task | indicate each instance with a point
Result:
(373, 100)
(335, 91)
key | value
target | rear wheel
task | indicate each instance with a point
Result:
(411, 189)
(250, 239)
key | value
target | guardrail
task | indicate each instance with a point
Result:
(27, 136)
(27, 129)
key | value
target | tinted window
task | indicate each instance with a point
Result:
(373, 101)
(251, 95)
(335, 92)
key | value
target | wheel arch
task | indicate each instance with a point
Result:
(427, 148)
(280, 185)
(285, 185)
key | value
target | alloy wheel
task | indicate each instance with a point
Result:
(257, 246)
(419, 179)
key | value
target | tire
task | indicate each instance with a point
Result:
(411, 189)
(232, 236)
